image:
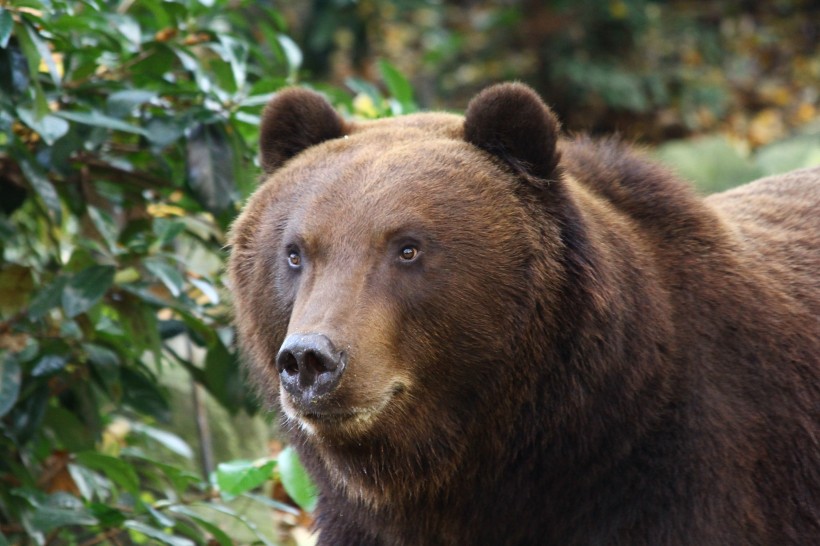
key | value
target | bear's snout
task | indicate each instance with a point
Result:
(309, 367)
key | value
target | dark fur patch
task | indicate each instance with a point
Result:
(294, 120)
(511, 122)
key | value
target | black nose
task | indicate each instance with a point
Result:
(309, 365)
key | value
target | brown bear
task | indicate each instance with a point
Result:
(478, 332)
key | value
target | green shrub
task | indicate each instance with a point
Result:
(127, 137)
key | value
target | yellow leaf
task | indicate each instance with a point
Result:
(363, 106)
(58, 63)
(161, 210)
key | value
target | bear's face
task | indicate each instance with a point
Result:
(377, 274)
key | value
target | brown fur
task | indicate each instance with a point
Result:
(584, 352)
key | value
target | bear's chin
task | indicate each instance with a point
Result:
(340, 422)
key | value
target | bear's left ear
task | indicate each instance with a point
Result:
(295, 119)
(510, 121)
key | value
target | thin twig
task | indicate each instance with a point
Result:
(203, 429)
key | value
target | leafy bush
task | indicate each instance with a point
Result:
(127, 136)
(714, 163)
(652, 70)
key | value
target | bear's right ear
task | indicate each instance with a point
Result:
(510, 121)
(293, 120)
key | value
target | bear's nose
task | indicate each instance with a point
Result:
(309, 365)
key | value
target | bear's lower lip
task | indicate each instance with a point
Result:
(357, 415)
(337, 417)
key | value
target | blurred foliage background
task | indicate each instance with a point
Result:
(128, 133)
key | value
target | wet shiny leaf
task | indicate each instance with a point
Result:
(98, 119)
(10, 380)
(210, 167)
(6, 26)
(236, 477)
(42, 186)
(295, 479)
(86, 288)
(50, 127)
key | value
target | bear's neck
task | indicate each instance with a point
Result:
(632, 386)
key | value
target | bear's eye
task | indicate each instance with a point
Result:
(294, 259)
(408, 253)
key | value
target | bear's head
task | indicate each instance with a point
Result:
(383, 278)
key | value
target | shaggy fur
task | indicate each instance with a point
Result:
(581, 350)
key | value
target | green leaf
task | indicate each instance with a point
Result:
(180, 479)
(72, 433)
(159, 517)
(272, 503)
(86, 288)
(222, 376)
(14, 70)
(32, 55)
(189, 62)
(167, 230)
(105, 364)
(49, 126)
(235, 52)
(235, 477)
(49, 364)
(42, 186)
(101, 356)
(98, 119)
(69, 329)
(61, 510)
(164, 131)
(44, 52)
(10, 379)
(210, 162)
(218, 534)
(91, 484)
(157, 534)
(108, 516)
(128, 28)
(34, 497)
(105, 226)
(117, 470)
(398, 86)
(168, 274)
(295, 479)
(257, 100)
(139, 322)
(15, 288)
(292, 53)
(48, 298)
(123, 103)
(6, 25)
(155, 61)
(207, 289)
(144, 395)
(221, 508)
(166, 439)
(27, 416)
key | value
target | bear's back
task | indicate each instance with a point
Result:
(776, 222)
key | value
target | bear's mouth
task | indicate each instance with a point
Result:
(356, 417)
(339, 416)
